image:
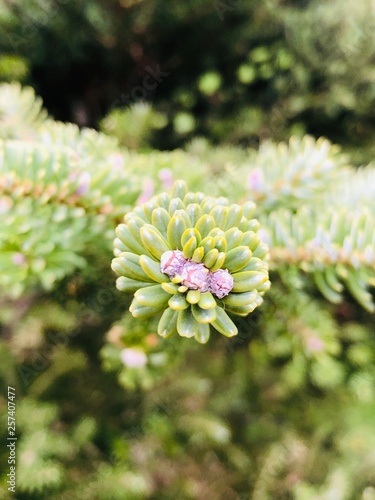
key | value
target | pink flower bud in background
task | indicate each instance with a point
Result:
(255, 180)
(117, 161)
(314, 344)
(18, 258)
(172, 262)
(166, 177)
(264, 235)
(83, 183)
(133, 358)
(6, 204)
(194, 276)
(147, 192)
(220, 283)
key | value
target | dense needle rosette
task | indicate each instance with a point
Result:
(193, 259)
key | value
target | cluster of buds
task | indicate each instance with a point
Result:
(195, 276)
(193, 258)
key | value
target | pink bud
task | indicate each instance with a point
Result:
(255, 180)
(194, 276)
(5, 204)
(148, 191)
(83, 184)
(133, 358)
(172, 262)
(314, 344)
(18, 259)
(117, 161)
(166, 177)
(220, 283)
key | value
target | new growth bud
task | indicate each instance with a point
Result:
(221, 283)
(172, 262)
(196, 276)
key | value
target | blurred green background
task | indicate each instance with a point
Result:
(234, 71)
(180, 89)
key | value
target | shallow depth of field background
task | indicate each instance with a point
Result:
(259, 417)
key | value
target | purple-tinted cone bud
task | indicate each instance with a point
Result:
(255, 180)
(133, 357)
(166, 177)
(172, 262)
(18, 259)
(221, 283)
(194, 276)
(147, 192)
(83, 184)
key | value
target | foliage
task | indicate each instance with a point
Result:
(48, 181)
(134, 127)
(106, 407)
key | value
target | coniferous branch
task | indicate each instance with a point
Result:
(316, 211)
(134, 126)
(21, 112)
(294, 174)
(337, 248)
(54, 202)
(318, 214)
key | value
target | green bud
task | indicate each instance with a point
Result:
(224, 324)
(198, 254)
(220, 215)
(187, 326)
(210, 258)
(193, 296)
(190, 247)
(174, 205)
(220, 243)
(139, 311)
(167, 326)
(127, 264)
(204, 315)
(237, 258)
(128, 241)
(170, 288)
(240, 299)
(153, 241)
(152, 269)
(207, 244)
(235, 213)
(178, 303)
(180, 189)
(153, 296)
(205, 224)
(233, 237)
(175, 229)
(195, 212)
(202, 335)
(189, 233)
(251, 240)
(248, 280)
(160, 219)
(207, 301)
(262, 251)
(130, 286)
(219, 262)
